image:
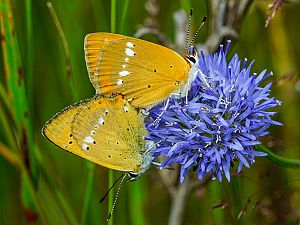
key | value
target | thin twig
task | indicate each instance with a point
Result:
(69, 71)
(63, 38)
(178, 202)
(225, 21)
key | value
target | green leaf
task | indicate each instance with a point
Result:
(279, 160)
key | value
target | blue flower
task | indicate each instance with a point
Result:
(220, 121)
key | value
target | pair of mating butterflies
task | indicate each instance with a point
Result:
(128, 74)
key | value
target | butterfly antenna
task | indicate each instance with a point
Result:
(104, 197)
(116, 196)
(188, 30)
(201, 25)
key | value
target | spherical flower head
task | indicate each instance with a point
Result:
(217, 125)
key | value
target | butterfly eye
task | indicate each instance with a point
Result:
(133, 176)
(191, 59)
(192, 54)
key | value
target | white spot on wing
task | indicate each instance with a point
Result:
(130, 44)
(123, 73)
(123, 66)
(101, 121)
(126, 108)
(93, 132)
(106, 111)
(129, 52)
(126, 59)
(88, 139)
(85, 146)
(120, 82)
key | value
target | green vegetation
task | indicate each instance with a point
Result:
(43, 70)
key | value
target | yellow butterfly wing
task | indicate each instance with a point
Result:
(92, 46)
(58, 131)
(111, 130)
(106, 131)
(143, 72)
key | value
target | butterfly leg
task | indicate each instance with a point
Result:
(144, 112)
(156, 164)
(173, 95)
(187, 93)
(157, 120)
(204, 80)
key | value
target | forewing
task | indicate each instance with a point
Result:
(110, 130)
(143, 72)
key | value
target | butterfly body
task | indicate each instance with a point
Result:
(143, 72)
(105, 130)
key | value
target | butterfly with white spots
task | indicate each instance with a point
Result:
(143, 72)
(105, 130)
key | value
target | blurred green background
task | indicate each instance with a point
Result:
(43, 70)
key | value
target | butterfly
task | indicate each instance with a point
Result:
(127, 73)
(105, 130)
(143, 72)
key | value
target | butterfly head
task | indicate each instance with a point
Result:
(191, 55)
(192, 58)
(191, 51)
(147, 159)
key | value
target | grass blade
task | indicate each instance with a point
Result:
(69, 70)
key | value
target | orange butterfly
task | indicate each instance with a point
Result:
(105, 130)
(143, 72)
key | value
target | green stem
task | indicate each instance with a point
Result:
(32, 192)
(279, 160)
(7, 131)
(25, 177)
(88, 192)
(110, 195)
(124, 13)
(66, 209)
(29, 57)
(216, 194)
(113, 16)
(70, 77)
(235, 187)
(185, 4)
